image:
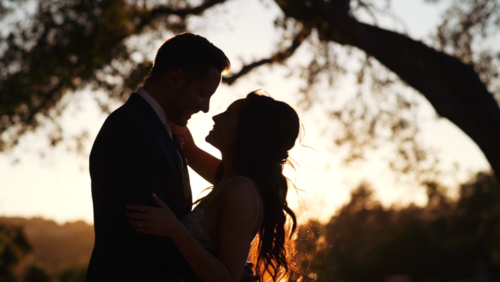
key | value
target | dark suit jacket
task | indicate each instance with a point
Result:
(132, 157)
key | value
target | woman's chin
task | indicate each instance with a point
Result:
(208, 139)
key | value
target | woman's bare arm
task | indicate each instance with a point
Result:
(200, 161)
(238, 210)
(203, 163)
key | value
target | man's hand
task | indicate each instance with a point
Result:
(160, 221)
(184, 135)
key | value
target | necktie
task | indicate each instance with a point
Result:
(176, 141)
(169, 128)
(177, 144)
(185, 175)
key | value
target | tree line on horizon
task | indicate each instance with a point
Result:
(41, 250)
(448, 239)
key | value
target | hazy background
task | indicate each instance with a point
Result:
(438, 220)
(56, 184)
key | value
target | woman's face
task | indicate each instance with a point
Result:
(225, 132)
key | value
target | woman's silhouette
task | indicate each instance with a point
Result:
(254, 136)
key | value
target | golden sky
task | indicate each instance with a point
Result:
(58, 185)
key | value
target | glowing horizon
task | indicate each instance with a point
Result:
(58, 186)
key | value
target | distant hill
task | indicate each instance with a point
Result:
(56, 246)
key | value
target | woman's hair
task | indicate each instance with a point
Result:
(267, 131)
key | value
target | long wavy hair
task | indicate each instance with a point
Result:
(267, 131)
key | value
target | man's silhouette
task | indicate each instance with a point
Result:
(136, 154)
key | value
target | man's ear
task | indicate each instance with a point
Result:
(175, 79)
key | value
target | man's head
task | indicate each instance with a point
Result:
(186, 72)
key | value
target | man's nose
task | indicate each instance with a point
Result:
(205, 105)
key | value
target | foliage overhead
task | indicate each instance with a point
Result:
(55, 48)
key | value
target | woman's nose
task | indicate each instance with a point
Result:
(216, 117)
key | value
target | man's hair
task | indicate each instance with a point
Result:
(191, 53)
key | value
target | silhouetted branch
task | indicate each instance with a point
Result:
(198, 10)
(74, 44)
(278, 57)
(452, 87)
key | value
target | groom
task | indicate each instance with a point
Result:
(136, 154)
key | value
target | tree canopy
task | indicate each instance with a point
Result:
(51, 48)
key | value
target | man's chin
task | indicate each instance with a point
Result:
(181, 122)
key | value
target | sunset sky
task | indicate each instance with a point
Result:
(57, 186)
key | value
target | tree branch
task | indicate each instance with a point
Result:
(453, 88)
(278, 57)
(198, 10)
(76, 49)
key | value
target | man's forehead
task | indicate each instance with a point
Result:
(210, 81)
(210, 74)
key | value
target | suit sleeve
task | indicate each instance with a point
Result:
(125, 170)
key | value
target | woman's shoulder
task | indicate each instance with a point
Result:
(241, 190)
(241, 203)
(240, 184)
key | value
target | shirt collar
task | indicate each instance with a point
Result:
(154, 104)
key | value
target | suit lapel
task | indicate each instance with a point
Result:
(185, 174)
(148, 113)
(172, 146)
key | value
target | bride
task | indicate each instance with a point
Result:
(248, 200)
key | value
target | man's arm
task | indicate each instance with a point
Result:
(124, 172)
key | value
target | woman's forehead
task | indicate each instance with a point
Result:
(236, 104)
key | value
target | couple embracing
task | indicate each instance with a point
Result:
(145, 227)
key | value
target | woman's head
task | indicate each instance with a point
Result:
(256, 126)
(267, 131)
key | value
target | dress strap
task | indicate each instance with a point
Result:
(216, 192)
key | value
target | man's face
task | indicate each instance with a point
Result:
(193, 97)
